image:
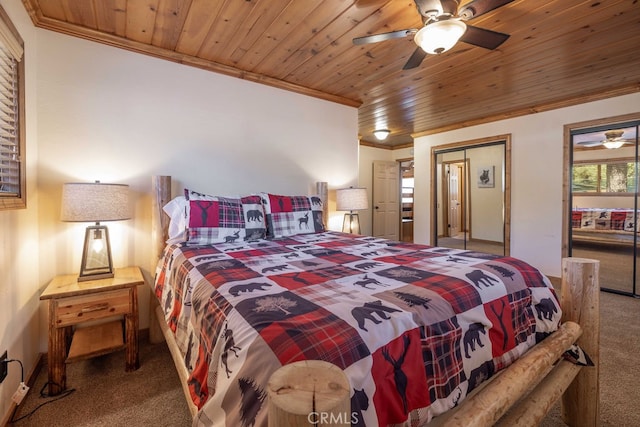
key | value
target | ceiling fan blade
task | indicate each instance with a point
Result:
(416, 59)
(482, 37)
(375, 38)
(480, 7)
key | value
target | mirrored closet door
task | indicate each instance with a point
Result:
(470, 186)
(604, 202)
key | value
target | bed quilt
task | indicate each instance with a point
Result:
(603, 219)
(415, 328)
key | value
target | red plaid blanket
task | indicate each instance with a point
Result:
(415, 328)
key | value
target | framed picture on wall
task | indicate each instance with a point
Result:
(486, 176)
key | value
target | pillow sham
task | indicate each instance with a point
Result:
(292, 215)
(217, 219)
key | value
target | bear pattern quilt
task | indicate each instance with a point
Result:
(415, 328)
(604, 219)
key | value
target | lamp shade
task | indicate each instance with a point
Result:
(440, 36)
(352, 199)
(95, 202)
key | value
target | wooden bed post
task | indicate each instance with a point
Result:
(161, 195)
(322, 190)
(580, 302)
(309, 393)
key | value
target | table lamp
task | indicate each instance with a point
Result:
(351, 199)
(95, 202)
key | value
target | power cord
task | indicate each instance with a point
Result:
(42, 393)
(21, 367)
(22, 390)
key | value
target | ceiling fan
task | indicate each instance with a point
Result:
(612, 139)
(444, 25)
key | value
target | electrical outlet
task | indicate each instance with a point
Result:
(3, 366)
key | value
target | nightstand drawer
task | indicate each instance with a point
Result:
(72, 310)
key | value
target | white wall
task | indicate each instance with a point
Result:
(19, 274)
(536, 175)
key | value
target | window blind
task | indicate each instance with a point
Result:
(9, 137)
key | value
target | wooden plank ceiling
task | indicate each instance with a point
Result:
(561, 52)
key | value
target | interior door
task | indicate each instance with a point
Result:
(386, 202)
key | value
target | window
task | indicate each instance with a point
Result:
(604, 177)
(12, 135)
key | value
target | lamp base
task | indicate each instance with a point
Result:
(351, 223)
(96, 256)
(90, 277)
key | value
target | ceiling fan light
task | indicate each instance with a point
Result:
(440, 36)
(381, 134)
(613, 144)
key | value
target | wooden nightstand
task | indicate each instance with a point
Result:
(72, 302)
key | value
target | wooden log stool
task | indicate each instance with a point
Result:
(309, 393)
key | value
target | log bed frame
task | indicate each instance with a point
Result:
(608, 237)
(520, 395)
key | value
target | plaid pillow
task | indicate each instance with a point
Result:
(216, 219)
(291, 215)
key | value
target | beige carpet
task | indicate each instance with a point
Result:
(106, 395)
(151, 396)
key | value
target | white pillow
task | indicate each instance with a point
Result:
(176, 209)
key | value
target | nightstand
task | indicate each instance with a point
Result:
(72, 303)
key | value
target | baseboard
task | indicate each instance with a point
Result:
(143, 334)
(30, 380)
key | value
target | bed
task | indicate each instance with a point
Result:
(417, 330)
(604, 225)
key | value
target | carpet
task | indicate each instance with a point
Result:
(106, 395)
